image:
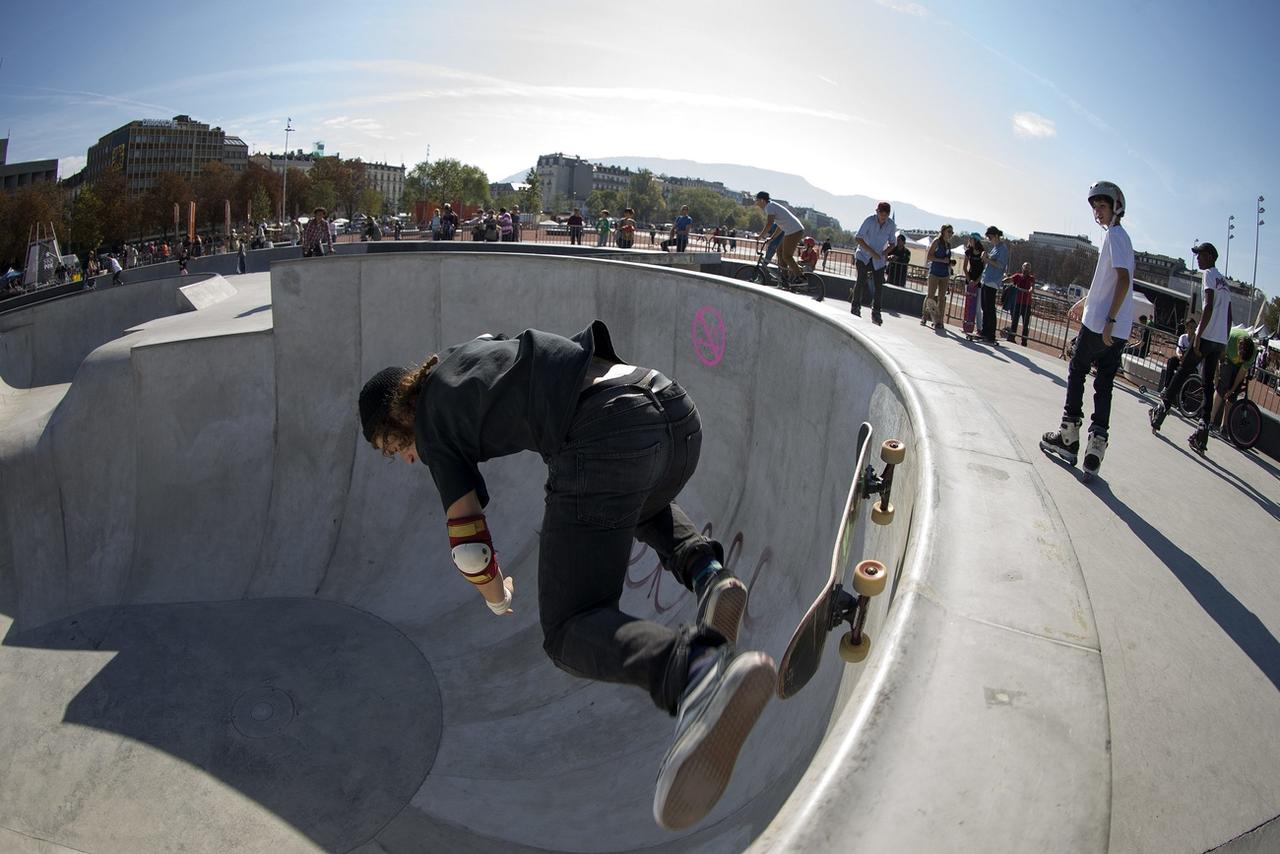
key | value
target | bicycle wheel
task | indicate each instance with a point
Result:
(815, 287)
(1191, 397)
(749, 273)
(1244, 424)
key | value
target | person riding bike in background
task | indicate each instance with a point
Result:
(1233, 370)
(786, 223)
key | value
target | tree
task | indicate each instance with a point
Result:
(707, 207)
(608, 200)
(1271, 314)
(298, 201)
(85, 233)
(531, 195)
(371, 201)
(323, 195)
(644, 196)
(34, 203)
(259, 188)
(155, 206)
(213, 187)
(347, 177)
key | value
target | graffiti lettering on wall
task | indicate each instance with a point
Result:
(667, 593)
(708, 335)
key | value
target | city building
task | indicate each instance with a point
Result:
(386, 179)
(16, 175)
(1062, 241)
(610, 177)
(1150, 267)
(146, 148)
(816, 218)
(698, 183)
(560, 175)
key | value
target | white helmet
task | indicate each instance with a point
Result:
(1108, 190)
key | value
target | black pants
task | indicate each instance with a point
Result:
(988, 295)
(1020, 311)
(1090, 351)
(628, 454)
(1170, 368)
(869, 276)
(682, 242)
(1207, 361)
(575, 235)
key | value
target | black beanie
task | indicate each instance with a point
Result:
(375, 398)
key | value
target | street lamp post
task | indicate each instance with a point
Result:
(284, 188)
(1257, 230)
(1231, 235)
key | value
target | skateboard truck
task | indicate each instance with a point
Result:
(869, 578)
(892, 452)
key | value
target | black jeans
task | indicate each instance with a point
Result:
(1024, 312)
(988, 295)
(869, 276)
(1090, 351)
(1207, 361)
(628, 454)
(575, 235)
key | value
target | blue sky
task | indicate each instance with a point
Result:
(1001, 112)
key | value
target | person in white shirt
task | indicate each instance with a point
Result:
(780, 218)
(114, 265)
(875, 236)
(1107, 321)
(1184, 344)
(1207, 345)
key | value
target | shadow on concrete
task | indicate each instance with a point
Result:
(1230, 477)
(1241, 625)
(1029, 364)
(257, 310)
(327, 716)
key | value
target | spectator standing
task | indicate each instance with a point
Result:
(515, 223)
(940, 264)
(114, 266)
(995, 261)
(333, 232)
(1207, 345)
(504, 225)
(1024, 284)
(733, 240)
(242, 258)
(789, 228)
(575, 227)
(398, 228)
(680, 230)
(899, 258)
(316, 234)
(627, 229)
(602, 228)
(874, 238)
(448, 222)
(1104, 330)
(435, 224)
(826, 250)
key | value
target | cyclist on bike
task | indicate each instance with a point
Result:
(1233, 370)
(788, 225)
(1206, 346)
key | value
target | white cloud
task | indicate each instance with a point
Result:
(828, 80)
(1033, 126)
(68, 166)
(906, 7)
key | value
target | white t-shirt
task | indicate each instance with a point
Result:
(785, 219)
(876, 236)
(1219, 325)
(113, 265)
(1116, 254)
(1184, 344)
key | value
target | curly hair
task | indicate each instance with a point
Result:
(393, 425)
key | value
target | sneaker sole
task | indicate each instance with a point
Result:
(726, 608)
(704, 766)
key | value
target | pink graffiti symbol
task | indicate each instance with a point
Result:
(708, 336)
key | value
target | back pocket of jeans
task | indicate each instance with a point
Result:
(613, 485)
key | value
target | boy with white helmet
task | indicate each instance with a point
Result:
(1108, 319)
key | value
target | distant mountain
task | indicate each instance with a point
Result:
(850, 210)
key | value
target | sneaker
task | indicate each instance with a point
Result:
(1064, 442)
(1096, 450)
(715, 717)
(722, 602)
(877, 320)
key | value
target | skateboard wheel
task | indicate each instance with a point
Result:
(869, 577)
(881, 515)
(892, 451)
(852, 653)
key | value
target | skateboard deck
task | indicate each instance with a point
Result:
(976, 338)
(834, 604)
(970, 306)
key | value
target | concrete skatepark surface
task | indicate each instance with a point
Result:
(229, 626)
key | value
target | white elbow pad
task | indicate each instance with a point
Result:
(471, 558)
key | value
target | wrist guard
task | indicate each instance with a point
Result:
(472, 547)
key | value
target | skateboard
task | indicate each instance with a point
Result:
(973, 336)
(970, 306)
(834, 604)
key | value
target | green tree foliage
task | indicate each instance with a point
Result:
(707, 207)
(1271, 314)
(20, 211)
(611, 200)
(644, 196)
(155, 206)
(213, 187)
(298, 201)
(85, 233)
(259, 188)
(531, 195)
(261, 204)
(347, 178)
(445, 180)
(371, 202)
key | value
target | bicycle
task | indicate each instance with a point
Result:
(809, 283)
(1242, 421)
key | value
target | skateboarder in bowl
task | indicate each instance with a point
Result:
(1104, 331)
(620, 442)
